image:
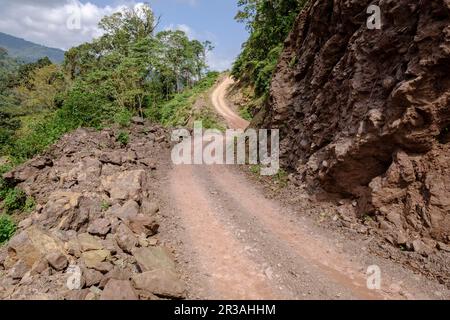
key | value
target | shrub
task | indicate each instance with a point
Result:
(123, 118)
(3, 185)
(123, 138)
(15, 199)
(41, 134)
(29, 205)
(7, 228)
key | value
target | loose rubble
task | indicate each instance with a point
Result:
(97, 212)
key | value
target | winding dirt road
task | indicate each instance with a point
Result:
(237, 244)
(220, 104)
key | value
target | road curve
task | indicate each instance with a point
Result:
(237, 244)
(220, 104)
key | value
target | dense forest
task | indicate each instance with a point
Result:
(131, 69)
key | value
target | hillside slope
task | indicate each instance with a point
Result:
(364, 113)
(28, 51)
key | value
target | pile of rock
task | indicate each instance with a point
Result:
(93, 232)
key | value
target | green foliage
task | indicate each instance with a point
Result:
(124, 72)
(281, 178)
(8, 68)
(123, 138)
(7, 228)
(209, 119)
(30, 205)
(245, 114)
(255, 169)
(177, 111)
(89, 103)
(105, 205)
(22, 77)
(123, 117)
(8, 127)
(3, 185)
(41, 134)
(142, 68)
(15, 199)
(269, 22)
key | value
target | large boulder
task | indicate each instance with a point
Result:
(143, 224)
(60, 206)
(163, 283)
(100, 227)
(88, 242)
(125, 239)
(154, 258)
(94, 259)
(129, 210)
(32, 245)
(125, 185)
(119, 290)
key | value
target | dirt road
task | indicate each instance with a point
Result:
(220, 104)
(237, 244)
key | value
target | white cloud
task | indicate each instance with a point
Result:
(218, 63)
(189, 2)
(51, 22)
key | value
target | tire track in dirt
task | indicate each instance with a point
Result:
(241, 245)
(231, 274)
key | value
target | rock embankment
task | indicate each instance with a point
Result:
(365, 113)
(93, 234)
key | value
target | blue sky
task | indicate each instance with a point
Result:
(209, 19)
(44, 22)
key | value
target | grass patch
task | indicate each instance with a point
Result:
(245, 113)
(178, 111)
(15, 199)
(281, 178)
(123, 138)
(105, 205)
(7, 228)
(29, 205)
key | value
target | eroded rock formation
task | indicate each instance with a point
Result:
(365, 113)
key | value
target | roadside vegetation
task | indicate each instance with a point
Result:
(180, 110)
(269, 23)
(130, 70)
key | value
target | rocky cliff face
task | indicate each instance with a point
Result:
(366, 113)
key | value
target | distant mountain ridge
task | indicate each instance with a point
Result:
(28, 51)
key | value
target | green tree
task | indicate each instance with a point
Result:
(269, 22)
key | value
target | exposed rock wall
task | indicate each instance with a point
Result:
(366, 113)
